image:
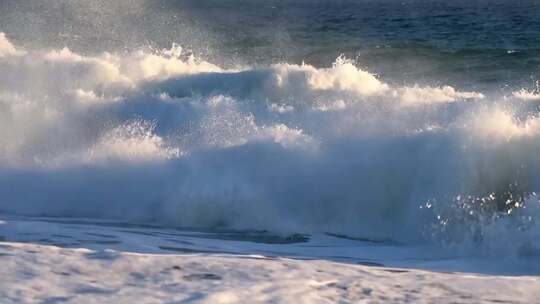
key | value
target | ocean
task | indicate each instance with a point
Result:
(401, 122)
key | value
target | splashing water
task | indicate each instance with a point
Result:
(166, 137)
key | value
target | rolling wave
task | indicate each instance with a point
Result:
(166, 137)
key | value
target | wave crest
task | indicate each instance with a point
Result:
(170, 138)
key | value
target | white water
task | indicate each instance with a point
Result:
(165, 137)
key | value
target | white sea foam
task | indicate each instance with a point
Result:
(7, 48)
(418, 95)
(170, 138)
(527, 95)
(342, 76)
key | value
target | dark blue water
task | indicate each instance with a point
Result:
(464, 43)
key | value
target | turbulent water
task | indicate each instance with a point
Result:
(410, 121)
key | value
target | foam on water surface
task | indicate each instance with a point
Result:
(287, 151)
(171, 139)
(108, 236)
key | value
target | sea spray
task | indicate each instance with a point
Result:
(167, 138)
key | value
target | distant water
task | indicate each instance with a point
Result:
(409, 121)
(467, 43)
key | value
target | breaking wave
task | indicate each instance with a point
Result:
(165, 137)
